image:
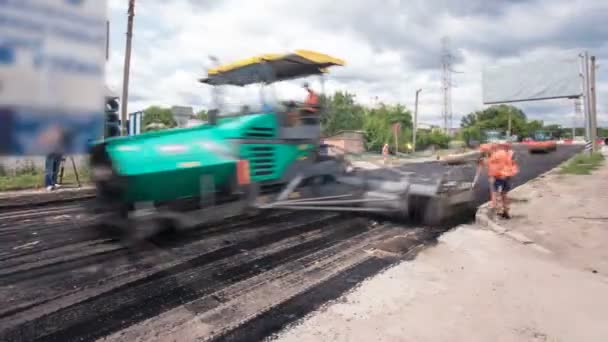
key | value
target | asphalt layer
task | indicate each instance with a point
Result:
(58, 282)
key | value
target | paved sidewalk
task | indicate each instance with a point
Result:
(547, 280)
(565, 215)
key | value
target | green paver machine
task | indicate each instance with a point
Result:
(249, 161)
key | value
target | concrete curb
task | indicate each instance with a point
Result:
(482, 219)
(39, 197)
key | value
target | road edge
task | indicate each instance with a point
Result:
(483, 217)
(18, 199)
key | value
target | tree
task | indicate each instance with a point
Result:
(341, 113)
(378, 126)
(533, 126)
(202, 115)
(156, 114)
(470, 135)
(428, 138)
(494, 117)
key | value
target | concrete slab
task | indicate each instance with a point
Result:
(474, 285)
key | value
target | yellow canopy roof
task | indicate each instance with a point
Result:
(272, 68)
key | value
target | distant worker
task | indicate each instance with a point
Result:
(502, 167)
(385, 153)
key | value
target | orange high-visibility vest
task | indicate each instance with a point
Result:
(311, 102)
(502, 165)
(511, 168)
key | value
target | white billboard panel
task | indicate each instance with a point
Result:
(549, 78)
(182, 114)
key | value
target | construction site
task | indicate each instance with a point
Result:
(262, 218)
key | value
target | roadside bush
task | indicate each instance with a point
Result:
(583, 164)
(27, 168)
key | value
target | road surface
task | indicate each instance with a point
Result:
(242, 280)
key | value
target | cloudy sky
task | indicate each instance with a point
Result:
(392, 47)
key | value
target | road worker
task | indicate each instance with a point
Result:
(486, 152)
(311, 104)
(385, 153)
(502, 167)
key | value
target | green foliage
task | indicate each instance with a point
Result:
(534, 125)
(27, 168)
(583, 164)
(25, 181)
(497, 117)
(470, 134)
(341, 113)
(426, 139)
(30, 177)
(202, 115)
(378, 122)
(156, 114)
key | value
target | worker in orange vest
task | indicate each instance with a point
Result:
(502, 167)
(311, 104)
(486, 152)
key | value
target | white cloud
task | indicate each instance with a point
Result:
(390, 49)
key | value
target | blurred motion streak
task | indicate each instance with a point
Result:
(52, 66)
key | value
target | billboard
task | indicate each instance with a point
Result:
(548, 78)
(52, 66)
(182, 114)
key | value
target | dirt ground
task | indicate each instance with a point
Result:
(477, 285)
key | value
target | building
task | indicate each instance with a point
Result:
(454, 131)
(349, 141)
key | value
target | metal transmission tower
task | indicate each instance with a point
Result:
(446, 80)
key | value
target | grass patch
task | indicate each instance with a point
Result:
(583, 164)
(20, 182)
(32, 178)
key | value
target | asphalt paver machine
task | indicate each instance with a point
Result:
(254, 160)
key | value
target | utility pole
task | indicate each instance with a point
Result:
(577, 114)
(509, 126)
(587, 103)
(107, 40)
(415, 121)
(127, 66)
(593, 105)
